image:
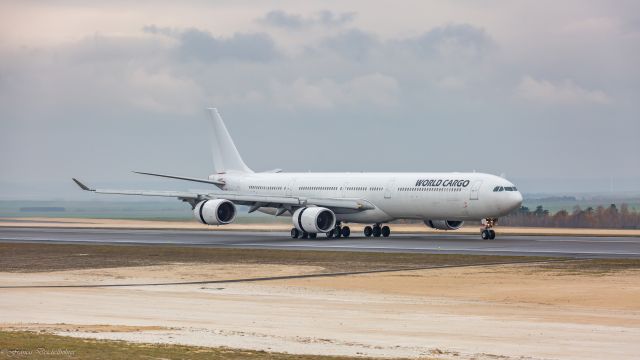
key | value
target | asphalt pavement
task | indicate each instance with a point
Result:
(446, 243)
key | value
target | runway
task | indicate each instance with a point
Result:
(449, 243)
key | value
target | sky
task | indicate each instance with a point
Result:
(545, 93)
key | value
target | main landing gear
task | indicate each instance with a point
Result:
(295, 233)
(377, 231)
(486, 232)
(344, 231)
(339, 231)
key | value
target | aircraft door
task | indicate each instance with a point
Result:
(343, 190)
(289, 189)
(475, 189)
(388, 189)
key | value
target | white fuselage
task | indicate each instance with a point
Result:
(425, 196)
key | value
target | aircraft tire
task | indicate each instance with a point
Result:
(368, 231)
(377, 231)
(295, 233)
(485, 234)
(312, 235)
(492, 234)
(345, 232)
(386, 231)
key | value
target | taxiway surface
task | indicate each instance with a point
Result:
(450, 243)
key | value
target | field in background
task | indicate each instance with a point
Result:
(165, 209)
(173, 210)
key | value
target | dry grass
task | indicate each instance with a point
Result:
(31, 257)
(29, 345)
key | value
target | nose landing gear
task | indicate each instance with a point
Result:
(486, 232)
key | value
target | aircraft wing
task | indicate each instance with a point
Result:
(253, 200)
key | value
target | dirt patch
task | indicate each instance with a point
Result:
(487, 312)
(153, 274)
(532, 284)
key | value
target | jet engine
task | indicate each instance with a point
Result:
(444, 224)
(215, 212)
(314, 219)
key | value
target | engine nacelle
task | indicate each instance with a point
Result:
(444, 224)
(215, 212)
(314, 219)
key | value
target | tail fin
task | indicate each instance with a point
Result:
(225, 155)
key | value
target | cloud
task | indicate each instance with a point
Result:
(163, 92)
(279, 18)
(196, 44)
(369, 90)
(565, 92)
(453, 43)
(451, 40)
(353, 44)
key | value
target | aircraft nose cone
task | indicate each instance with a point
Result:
(516, 200)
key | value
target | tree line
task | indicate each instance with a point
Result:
(599, 217)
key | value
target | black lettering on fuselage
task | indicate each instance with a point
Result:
(443, 182)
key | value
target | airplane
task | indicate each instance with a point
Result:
(323, 203)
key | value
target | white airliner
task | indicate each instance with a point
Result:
(324, 202)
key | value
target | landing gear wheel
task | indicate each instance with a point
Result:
(295, 233)
(486, 231)
(377, 231)
(345, 232)
(305, 235)
(337, 232)
(385, 231)
(368, 231)
(329, 234)
(312, 235)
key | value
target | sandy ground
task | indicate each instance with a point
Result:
(357, 228)
(508, 311)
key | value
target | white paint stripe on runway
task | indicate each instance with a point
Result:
(587, 241)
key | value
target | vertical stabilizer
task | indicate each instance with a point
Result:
(225, 155)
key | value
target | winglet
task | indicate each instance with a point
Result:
(82, 186)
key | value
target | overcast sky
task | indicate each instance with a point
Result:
(545, 92)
